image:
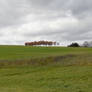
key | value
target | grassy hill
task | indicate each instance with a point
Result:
(26, 55)
(45, 69)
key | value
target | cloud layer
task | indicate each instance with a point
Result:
(58, 20)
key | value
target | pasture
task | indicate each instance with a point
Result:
(45, 69)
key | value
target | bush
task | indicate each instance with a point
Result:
(74, 45)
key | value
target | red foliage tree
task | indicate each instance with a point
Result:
(35, 43)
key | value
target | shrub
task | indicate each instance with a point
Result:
(74, 45)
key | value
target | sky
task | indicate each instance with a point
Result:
(64, 21)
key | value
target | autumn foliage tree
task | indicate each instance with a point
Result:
(44, 43)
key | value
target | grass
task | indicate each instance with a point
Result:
(46, 79)
(25, 52)
(45, 69)
(26, 55)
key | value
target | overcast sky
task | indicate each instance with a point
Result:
(64, 21)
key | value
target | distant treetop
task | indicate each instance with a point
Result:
(38, 43)
(74, 45)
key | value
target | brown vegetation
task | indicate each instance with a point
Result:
(63, 60)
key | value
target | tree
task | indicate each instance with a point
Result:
(86, 44)
(74, 45)
(45, 43)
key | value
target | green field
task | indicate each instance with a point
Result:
(45, 69)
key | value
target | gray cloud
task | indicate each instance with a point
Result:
(58, 20)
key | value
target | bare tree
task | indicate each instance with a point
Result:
(86, 44)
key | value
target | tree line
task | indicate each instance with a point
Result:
(51, 43)
(39, 43)
(85, 44)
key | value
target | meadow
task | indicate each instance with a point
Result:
(45, 69)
